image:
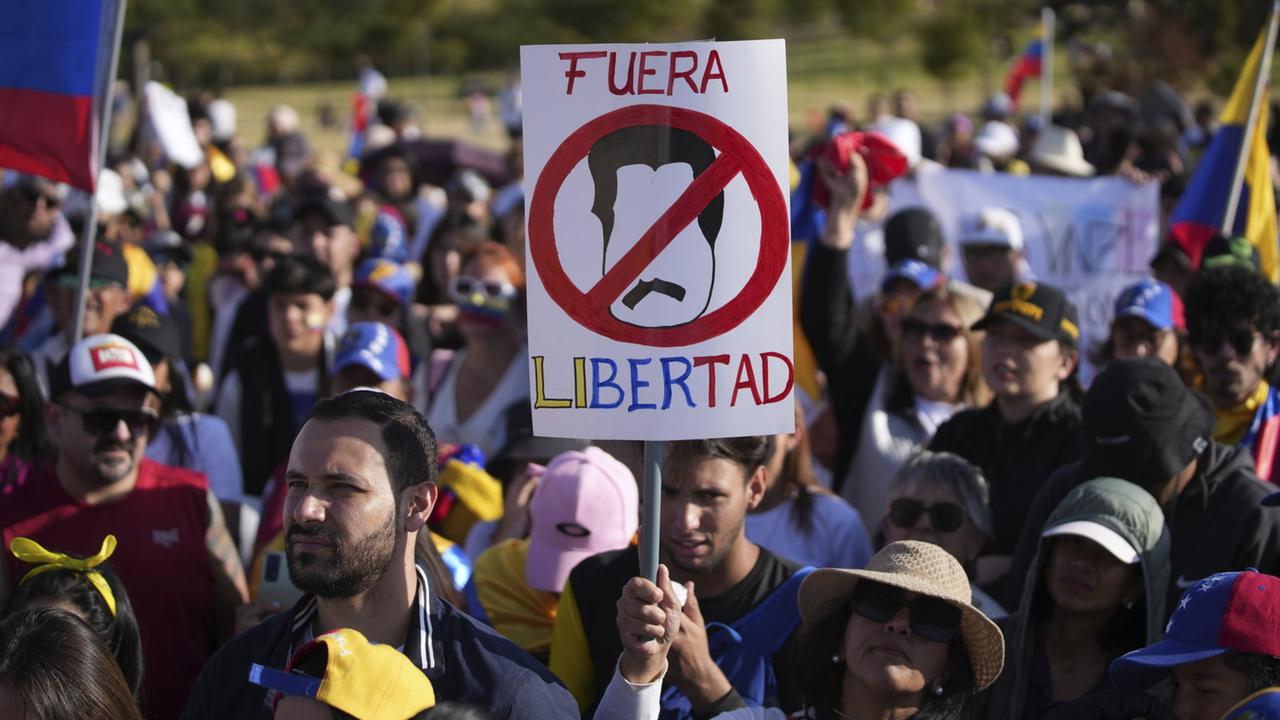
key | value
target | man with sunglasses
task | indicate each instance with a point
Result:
(1233, 323)
(107, 299)
(33, 233)
(175, 556)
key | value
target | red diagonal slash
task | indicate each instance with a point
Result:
(691, 202)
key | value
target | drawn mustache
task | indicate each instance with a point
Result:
(644, 288)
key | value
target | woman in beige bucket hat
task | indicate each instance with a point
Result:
(899, 638)
(899, 634)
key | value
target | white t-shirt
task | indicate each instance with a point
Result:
(932, 414)
(487, 426)
(341, 302)
(836, 538)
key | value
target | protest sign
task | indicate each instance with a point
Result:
(658, 241)
(172, 125)
(1089, 237)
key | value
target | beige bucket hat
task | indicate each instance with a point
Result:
(918, 567)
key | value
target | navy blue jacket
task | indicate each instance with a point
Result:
(465, 660)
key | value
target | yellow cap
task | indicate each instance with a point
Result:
(363, 679)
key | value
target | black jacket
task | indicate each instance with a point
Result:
(465, 660)
(1015, 458)
(829, 319)
(1216, 522)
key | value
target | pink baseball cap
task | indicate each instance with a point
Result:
(586, 504)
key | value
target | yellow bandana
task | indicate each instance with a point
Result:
(1230, 426)
(29, 551)
(518, 611)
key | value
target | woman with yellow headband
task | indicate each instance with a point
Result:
(86, 587)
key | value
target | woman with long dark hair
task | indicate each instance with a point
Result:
(24, 438)
(90, 589)
(53, 667)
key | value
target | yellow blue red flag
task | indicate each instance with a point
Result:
(1200, 213)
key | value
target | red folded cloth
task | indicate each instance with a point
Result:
(884, 162)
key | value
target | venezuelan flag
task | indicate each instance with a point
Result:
(55, 58)
(1201, 210)
(360, 110)
(1028, 65)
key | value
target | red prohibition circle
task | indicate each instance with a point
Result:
(592, 313)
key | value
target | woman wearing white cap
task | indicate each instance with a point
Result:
(1095, 591)
(899, 639)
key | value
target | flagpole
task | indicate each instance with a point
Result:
(1259, 87)
(1047, 19)
(91, 222)
(651, 522)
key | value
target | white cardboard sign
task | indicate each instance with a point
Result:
(168, 114)
(658, 245)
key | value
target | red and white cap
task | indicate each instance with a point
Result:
(100, 364)
(587, 503)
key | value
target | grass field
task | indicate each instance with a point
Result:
(820, 71)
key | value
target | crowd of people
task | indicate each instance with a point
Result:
(289, 470)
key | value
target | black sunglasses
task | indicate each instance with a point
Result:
(944, 516)
(929, 617)
(940, 332)
(10, 405)
(100, 421)
(32, 193)
(1241, 340)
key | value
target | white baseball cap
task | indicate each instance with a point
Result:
(1109, 539)
(992, 226)
(109, 195)
(904, 134)
(100, 364)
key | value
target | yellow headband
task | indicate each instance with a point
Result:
(29, 551)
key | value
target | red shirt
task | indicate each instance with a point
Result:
(161, 558)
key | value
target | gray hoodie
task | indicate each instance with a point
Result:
(1124, 508)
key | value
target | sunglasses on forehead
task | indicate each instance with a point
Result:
(462, 288)
(100, 421)
(930, 618)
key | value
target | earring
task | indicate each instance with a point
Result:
(1128, 604)
(836, 659)
(937, 689)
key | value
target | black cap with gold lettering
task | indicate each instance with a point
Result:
(1042, 310)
